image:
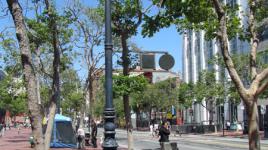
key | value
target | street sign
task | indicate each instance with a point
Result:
(148, 61)
(166, 62)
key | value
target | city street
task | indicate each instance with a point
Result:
(143, 141)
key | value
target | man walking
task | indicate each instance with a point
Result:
(94, 131)
(164, 134)
(81, 138)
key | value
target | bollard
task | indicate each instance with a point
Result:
(170, 146)
(174, 146)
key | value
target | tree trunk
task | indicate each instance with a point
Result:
(37, 74)
(126, 97)
(29, 76)
(150, 116)
(128, 122)
(253, 121)
(137, 118)
(88, 109)
(210, 110)
(55, 99)
(90, 94)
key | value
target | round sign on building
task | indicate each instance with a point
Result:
(166, 62)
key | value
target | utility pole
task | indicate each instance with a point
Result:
(109, 142)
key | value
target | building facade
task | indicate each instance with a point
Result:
(197, 56)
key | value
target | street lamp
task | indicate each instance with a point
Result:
(109, 112)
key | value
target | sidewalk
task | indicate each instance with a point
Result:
(14, 141)
(231, 136)
(234, 134)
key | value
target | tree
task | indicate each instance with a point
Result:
(89, 28)
(49, 36)
(23, 40)
(209, 90)
(13, 95)
(71, 93)
(55, 99)
(220, 21)
(125, 85)
(160, 96)
(12, 89)
(185, 95)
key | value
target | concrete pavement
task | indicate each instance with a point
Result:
(12, 140)
(143, 140)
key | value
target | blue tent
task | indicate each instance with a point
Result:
(63, 134)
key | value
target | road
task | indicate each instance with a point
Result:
(143, 141)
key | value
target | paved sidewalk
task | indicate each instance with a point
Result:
(237, 134)
(14, 141)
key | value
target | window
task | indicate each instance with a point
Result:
(231, 3)
(233, 46)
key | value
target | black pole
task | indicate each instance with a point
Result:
(109, 112)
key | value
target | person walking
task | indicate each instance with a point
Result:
(44, 124)
(164, 134)
(152, 130)
(81, 138)
(1, 128)
(94, 131)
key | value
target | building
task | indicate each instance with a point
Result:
(197, 53)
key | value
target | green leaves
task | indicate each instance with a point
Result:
(185, 94)
(193, 15)
(71, 91)
(126, 17)
(12, 95)
(125, 85)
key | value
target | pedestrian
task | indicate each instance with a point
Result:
(8, 125)
(44, 124)
(94, 131)
(152, 130)
(5, 126)
(19, 126)
(81, 138)
(228, 125)
(1, 128)
(164, 134)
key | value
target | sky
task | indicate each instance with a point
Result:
(167, 39)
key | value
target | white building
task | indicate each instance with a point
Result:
(161, 76)
(197, 53)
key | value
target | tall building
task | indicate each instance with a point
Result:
(197, 55)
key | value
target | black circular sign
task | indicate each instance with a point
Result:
(166, 62)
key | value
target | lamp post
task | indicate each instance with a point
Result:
(109, 112)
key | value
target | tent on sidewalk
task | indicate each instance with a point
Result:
(63, 134)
